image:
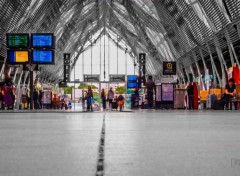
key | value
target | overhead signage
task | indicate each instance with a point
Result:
(17, 40)
(117, 78)
(17, 56)
(91, 78)
(43, 56)
(142, 64)
(168, 80)
(42, 40)
(66, 69)
(169, 68)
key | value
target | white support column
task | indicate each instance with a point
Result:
(214, 69)
(202, 57)
(198, 69)
(15, 74)
(19, 91)
(229, 47)
(2, 69)
(187, 75)
(232, 52)
(221, 59)
(238, 29)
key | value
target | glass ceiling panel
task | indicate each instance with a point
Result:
(148, 7)
(125, 22)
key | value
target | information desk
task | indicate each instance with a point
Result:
(179, 98)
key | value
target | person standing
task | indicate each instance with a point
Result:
(8, 92)
(103, 97)
(190, 92)
(110, 97)
(230, 92)
(83, 99)
(35, 99)
(151, 88)
(89, 98)
(135, 99)
(40, 99)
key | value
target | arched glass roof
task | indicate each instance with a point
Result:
(164, 29)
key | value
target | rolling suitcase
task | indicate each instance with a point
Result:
(218, 105)
(114, 105)
(211, 98)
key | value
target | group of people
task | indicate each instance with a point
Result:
(230, 92)
(7, 95)
(114, 102)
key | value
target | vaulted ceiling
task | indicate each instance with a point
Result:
(164, 29)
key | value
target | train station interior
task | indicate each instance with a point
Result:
(119, 87)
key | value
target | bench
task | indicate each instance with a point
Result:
(233, 100)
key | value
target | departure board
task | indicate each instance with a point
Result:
(17, 56)
(17, 40)
(42, 40)
(43, 56)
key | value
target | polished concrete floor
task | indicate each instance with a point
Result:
(141, 143)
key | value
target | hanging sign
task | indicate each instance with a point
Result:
(169, 68)
(91, 78)
(117, 78)
(142, 68)
(66, 67)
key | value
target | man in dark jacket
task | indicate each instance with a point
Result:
(150, 89)
(190, 92)
(35, 98)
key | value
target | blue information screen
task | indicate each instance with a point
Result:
(42, 40)
(131, 78)
(42, 56)
(131, 85)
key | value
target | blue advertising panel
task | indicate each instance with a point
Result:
(131, 85)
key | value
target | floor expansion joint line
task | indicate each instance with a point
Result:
(100, 160)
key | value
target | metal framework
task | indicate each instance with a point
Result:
(195, 33)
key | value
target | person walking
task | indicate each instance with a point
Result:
(151, 88)
(110, 97)
(104, 100)
(190, 92)
(89, 98)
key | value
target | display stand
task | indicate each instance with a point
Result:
(167, 96)
(179, 98)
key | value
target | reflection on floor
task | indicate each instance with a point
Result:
(144, 142)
